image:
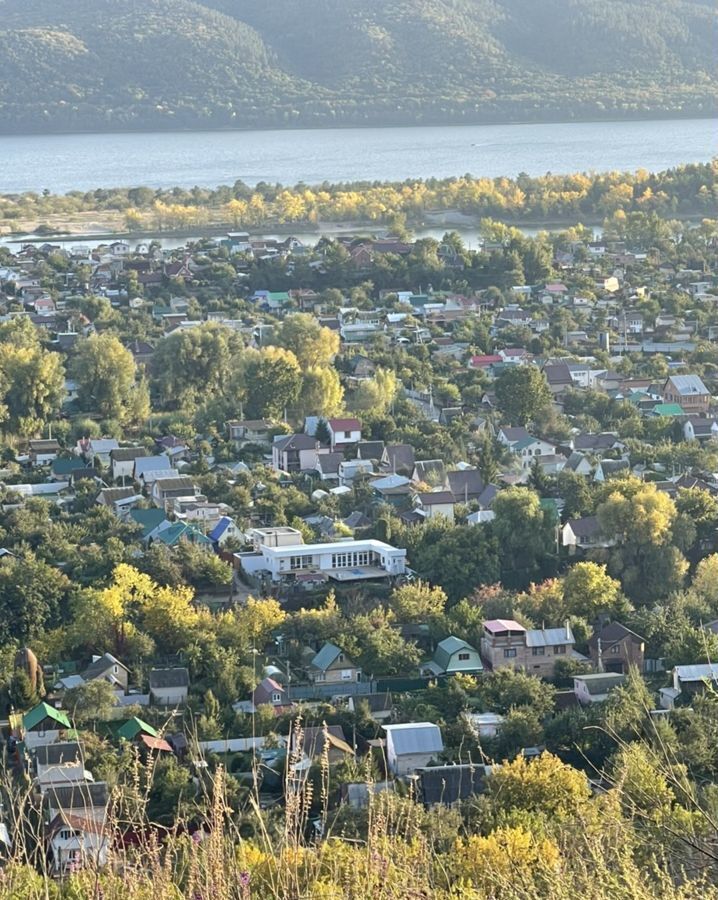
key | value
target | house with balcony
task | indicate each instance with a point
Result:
(248, 431)
(506, 642)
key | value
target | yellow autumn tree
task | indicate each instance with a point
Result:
(507, 857)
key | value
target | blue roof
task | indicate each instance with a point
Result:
(219, 529)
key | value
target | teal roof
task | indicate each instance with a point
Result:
(181, 531)
(63, 465)
(149, 519)
(133, 727)
(41, 712)
(447, 648)
(667, 409)
(278, 296)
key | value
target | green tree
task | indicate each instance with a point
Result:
(322, 392)
(272, 380)
(314, 345)
(417, 602)
(196, 363)
(507, 688)
(522, 392)
(92, 701)
(34, 386)
(105, 373)
(588, 591)
(641, 520)
(524, 535)
(33, 596)
(545, 786)
(377, 393)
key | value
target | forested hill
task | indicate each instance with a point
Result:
(96, 64)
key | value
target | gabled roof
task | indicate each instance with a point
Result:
(688, 385)
(149, 519)
(370, 450)
(447, 648)
(126, 454)
(132, 727)
(588, 526)
(344, 424)
(101, 665)
(436, 498)
(415, 737)
(326, 656)
(498, 626)
(181, 531)
(515, 433)
(164, 678)
(43, 711)
(465, 483)
(82, 796)
(399, 456)
(329, 462)
(698, 672)
(219, 529)
(612, 633)
(295, 442)
(314, 739)
(57, 754)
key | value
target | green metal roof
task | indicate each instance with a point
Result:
(133, 727)
(149, 519)
(41, 712)
(667, 409)
(445, 650)
(181, 531)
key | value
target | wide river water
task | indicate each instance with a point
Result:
(61, 163)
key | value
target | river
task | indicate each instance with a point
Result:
(61, 163)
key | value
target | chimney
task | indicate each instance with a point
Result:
(599, 650)
(568, 631)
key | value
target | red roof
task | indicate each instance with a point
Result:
(345, 424)
(155, 743)
(478, 362)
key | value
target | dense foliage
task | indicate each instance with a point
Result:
(75, 64)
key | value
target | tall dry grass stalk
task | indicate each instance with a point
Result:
(600, 853)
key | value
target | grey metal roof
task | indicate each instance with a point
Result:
(601, 682)
(688, 384)
(549, 637)
(326, 656)
(101, 665)
(85, 795)
(698, 672)
(415, 737)
(54, 754)
(164, 678)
